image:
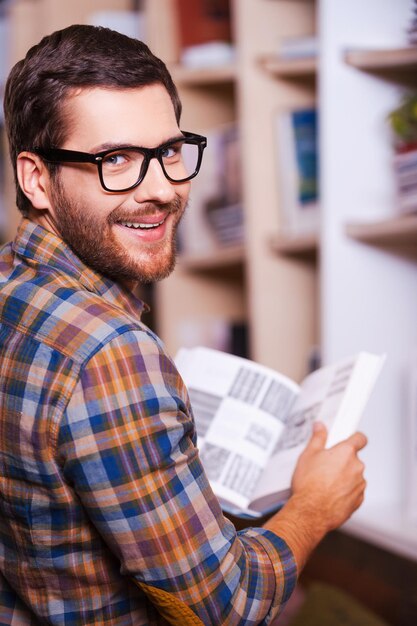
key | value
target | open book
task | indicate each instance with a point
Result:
(253, 423)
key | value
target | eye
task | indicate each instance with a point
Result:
(172, 151)
(115, 159)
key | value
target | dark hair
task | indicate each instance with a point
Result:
(78, 56)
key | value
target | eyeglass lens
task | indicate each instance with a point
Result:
(123, 168)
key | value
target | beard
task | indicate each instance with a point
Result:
(91, 238)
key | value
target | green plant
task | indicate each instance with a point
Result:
(403, 122)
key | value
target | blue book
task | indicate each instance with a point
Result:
(306, 151)
(298, 169)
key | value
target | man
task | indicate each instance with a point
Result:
(106, 515)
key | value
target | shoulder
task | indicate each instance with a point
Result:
(63, 315)
(138, 357)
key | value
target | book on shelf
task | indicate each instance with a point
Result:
(298, 47)
(298, 170)
(253, 422)
(215, 216)
(405, 172)
(204, 30)
(412, 29)
(208, 55)
(200, 21)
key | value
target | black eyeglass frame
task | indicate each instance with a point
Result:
(60, 155)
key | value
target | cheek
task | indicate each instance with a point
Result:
(82, 184)
(90, 198)
(183, 191)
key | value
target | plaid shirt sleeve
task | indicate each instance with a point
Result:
(127, 442)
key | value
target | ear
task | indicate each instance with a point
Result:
(34, 179)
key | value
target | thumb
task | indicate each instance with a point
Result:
(358, 441)
(318, 437)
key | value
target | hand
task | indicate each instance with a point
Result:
(330, 482)
(328, 486)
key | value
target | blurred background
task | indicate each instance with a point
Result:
(299, 245)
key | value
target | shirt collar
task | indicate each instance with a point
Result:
(39, 246)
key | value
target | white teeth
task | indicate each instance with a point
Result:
(139, 225)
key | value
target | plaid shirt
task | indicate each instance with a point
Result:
(101, 485)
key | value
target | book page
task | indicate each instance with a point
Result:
(239, 408)
(320, 398)
(335, 395)
(236, 449)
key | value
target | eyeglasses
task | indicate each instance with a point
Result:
(124, 168)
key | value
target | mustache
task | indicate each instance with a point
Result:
(148, 209)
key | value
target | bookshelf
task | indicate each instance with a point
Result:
(208, 284)
(331, 288)
(348, 288)
(282, 334)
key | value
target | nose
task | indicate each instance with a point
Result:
(155, 186)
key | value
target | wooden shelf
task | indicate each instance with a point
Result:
(220, 258)
(301, 245)
(204, 76)
(396, 232)
(289, 68)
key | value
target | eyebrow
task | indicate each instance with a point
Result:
(111, 145)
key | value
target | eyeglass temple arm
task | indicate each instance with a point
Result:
(67, 156)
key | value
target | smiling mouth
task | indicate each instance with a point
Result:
(142, 225)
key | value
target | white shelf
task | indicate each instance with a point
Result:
(386, 59)
(385, 527)
(396, 64)
(398, 231)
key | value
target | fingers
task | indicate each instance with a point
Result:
(319, 437)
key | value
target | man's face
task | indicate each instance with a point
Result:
(98, 224)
